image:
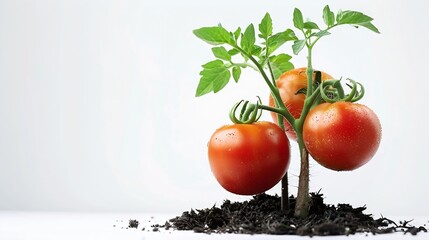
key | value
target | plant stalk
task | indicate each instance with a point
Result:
(303, 198)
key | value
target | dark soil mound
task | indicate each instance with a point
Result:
(262, 215)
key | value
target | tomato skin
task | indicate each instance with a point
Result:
(342, 136)
(289, 83)
(248, 159)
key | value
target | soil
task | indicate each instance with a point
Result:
(133, 223)
(262, 215)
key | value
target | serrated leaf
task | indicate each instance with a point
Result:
(214, 76)
(370, 26)
(256, 50)
(352, 17)
(266, 26)
(280, 64)
(356, 18)
(213, 35)
(278, 39)
(233, 52)
(298, 20)
(221, 53)
(328, 16)
(248, 39)
(310, 25)
(236, 72)
(298, 46)
(237, 33)
(339, 14)
(321, 33)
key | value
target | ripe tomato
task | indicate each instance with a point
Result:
(249, 159)
(342, 135)
(289, 83)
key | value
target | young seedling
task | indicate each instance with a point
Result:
(250, 157)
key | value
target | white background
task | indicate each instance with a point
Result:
(97, 106)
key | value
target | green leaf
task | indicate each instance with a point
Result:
(266, 26)
(233, 52)
(256, 51)
(213, 35)
(298, 46)
(280, 64)
(339, 13)
(248, 39)
(356, 18)
(320, 33)
(214, 76)
(310, 25)
(370, 26)
(278, 39)
(221, 53)
(298, 20)
(236, 72)
(237, 33)
(352, 17)
(328, 16)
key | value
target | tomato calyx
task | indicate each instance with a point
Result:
(249, 113)
(332, 91)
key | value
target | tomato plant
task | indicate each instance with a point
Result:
(342, 135)
(294, 97)
(248, 159)
(289, 85)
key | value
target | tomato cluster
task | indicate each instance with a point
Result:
(248, 159)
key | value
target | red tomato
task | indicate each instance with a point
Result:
(248, 159)
(289, 83)
(343, 135)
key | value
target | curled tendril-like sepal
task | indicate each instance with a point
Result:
(249, 112)
(328, 90)
(332, 91)
(359, 95)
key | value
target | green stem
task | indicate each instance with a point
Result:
(272, 109)
(243, 65)
(271, 71)
(309, 72)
